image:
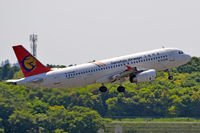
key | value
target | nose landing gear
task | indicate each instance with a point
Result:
(170, 77)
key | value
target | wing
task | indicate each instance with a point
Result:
(120, 75)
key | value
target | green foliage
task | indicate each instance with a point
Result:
(18, 75)
(21, 121)
(24, 109)
(38, 106)
(192, 66)
(85, 120)
(7, 72)
(1, 124)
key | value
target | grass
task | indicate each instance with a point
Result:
(178, 119)
(155, 125)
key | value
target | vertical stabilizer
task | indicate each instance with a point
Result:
(29, 65)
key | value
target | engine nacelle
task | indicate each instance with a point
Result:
(144, 76)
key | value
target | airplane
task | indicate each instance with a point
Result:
(137, 68)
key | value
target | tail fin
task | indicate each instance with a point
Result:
(30, 65)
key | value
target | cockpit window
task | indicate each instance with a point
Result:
(180, 52)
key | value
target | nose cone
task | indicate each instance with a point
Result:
(187, 58)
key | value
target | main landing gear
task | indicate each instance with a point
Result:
(119, 89)
(170, 77)
(103, 88)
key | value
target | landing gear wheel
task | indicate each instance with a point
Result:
(103, 89)
(170, 77)
(121, 89)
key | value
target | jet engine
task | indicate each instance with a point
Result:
(144, 76)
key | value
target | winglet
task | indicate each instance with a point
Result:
(30, 65)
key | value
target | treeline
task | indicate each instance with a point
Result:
(7, 71)
(192, 66)
(72, 110)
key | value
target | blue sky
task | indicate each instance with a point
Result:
(78, 31)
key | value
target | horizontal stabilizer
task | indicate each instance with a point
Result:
(12, 81)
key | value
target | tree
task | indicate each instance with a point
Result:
(195, 104)
(84, 119)
(7, 72)
(57, 118)
(1, 125)
(22, 121)
(38, 106)
(192, 66)
(18, 75)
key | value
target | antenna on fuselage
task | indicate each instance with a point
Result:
(165, 44)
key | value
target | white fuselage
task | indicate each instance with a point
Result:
(90, 73)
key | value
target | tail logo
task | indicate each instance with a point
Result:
(29, 63)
